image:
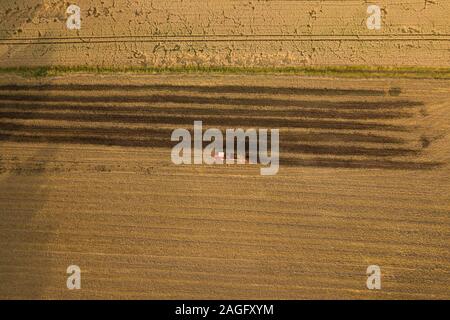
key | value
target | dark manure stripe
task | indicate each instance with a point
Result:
(125, 131)
(188, 120)
(203, 89)
(342, 150)
(92, 140)
(163, 140)
(356, 115)
(359, 164)
(342, 137)
(166, 132)
(183, 99)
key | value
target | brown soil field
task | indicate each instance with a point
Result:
(86, 178)
(224, 33)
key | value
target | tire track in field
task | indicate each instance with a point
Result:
(223, 38)
(356, 133)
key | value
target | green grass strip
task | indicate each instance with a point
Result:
(330, 71)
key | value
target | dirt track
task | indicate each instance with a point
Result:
(224, 33)
(86, 179)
